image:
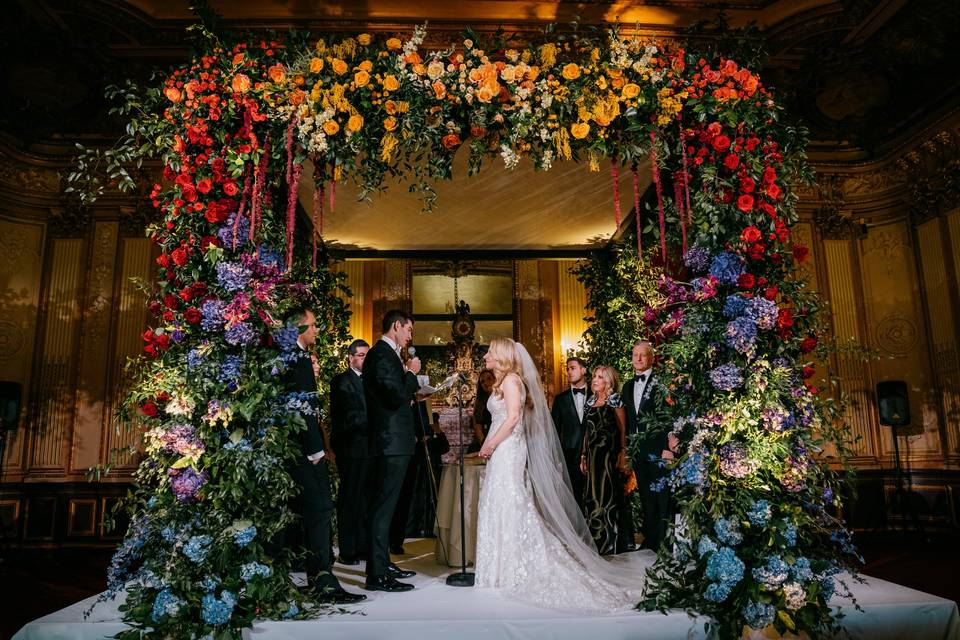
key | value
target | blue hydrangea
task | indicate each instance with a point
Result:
(242, 445)
(225, 232)
(759, 513)
(728, 531)
(194, 358)
(705, 546)
(697, 258)
(726, 268)
(232, 276)
(210, 583)
(292, 611)
(790, 535)
(725, 566)
(762, 312)
(165, 604)
(758, 615)
(741, 335)
(240, 333)
(801, 570)
(286, 338)
(251, 570)
(827, 587)
(212, 315)
(794, 596)
(197, 547)
(217, 611)
(169, 534)
(734, 305)
(271, 258)
(726, 377)
(773, 574)
(230, 368)
(718, 591)
(245, 536)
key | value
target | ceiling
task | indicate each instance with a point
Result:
(568, 207)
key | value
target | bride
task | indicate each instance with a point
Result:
(532, 541)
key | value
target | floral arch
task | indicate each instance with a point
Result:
(234, 128)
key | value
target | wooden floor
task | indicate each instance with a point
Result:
(36, 582)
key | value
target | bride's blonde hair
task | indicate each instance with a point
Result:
(505, 360)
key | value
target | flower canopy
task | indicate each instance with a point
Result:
(235, 128)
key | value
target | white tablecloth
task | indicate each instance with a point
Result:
(448, 549)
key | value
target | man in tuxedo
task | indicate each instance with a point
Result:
(389, 386)
(568, 411)
(311, 473)
(348, 425)
(638, 400)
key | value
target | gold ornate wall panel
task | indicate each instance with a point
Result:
(53, 408)
(571, 303)
(21, 267)
(359, 329)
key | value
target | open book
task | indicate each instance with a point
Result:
(426, 389)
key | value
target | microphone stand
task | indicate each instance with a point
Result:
(463, 578)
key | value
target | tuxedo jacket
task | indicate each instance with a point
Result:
(388, 390)
(348, 416)
(300, 377)
(651, 441)
(569, 425)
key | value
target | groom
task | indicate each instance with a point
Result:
(389, 387)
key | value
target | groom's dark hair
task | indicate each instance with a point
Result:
(393, 316)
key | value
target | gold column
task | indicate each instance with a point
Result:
(572, 303)
(357, 300)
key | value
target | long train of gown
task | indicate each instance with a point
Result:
(517, 553)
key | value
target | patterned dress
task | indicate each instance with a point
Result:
(603, 492)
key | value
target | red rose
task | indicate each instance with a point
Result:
(756, 251)
(192, 315)
(168, 316)
(209, 241)
(215, 214)
(151, 351)
(163, 340)
(800, 252)
(189, 194)
(451, 141)
(154, 308)
(769, 175)
(768, 209)
(746, 281)
(808, 345)
(808, 371)
(230, 188)
(171, 301)
(721, 144)
(149, 409)
(147, 335)
(163, 260)
(747, 185)
(199, 289)
(784, 318)
(179, 256)
(205, 185)
(731, 162)
(745, 203)
(770, 293)
(750, 234)
(774, 191)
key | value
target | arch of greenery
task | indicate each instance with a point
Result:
(711, 280)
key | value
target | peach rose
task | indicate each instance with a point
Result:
(579, 130)
(339, 66)
(390, 107)
(486, 94)
(354, 123)
(571, 71)
(439, 90)
(238, 59)
(297, 97)
(419, 69)
(361, 78)
(173, 94)
(532, 73)
(435, 70)
(241, 83)
(618, 82)
(330, 127)
(364, 39)
(451, 141)
(316, 65)
(390, 83)
(389, 123)
(277, 73)
(630, 90)
(394, 44)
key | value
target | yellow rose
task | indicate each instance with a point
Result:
(390, 83)
(361, 78)
(580, 130)
(532, 73)
(394, 44)
(339, 66)
(615, 73)
(330, 127)
(354, 123)
(364, 39)
(316, 65)
(366, 65)
(571, 71)
(390, 107)
(630, 91)
(390, 123)
(419, 69)
(485, 94)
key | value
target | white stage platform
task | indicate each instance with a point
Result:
(434, 610)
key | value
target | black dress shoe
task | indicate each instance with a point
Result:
(397, 549)
(347, 560)
(396, 572)
(386, 583)
(331, 595)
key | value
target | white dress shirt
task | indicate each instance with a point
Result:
(313, 457)
(639, 387)
(393, 345)
(579, 400)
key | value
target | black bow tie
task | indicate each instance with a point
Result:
(580, 391)
(642, 377)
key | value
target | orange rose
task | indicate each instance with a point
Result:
(750, 85)
(580, 130)
(241, 83)
(237, 59)
(630, 91)
(366, 65)
(354, 123)
(390, 107)
(615, 73)
(277, 73)
(297, 97)
(389, 123)
(364, 39)
(173, 94)
(486, 94)
(413, 58)
(439, 90)
(361, 78)
(316, 65)
(339, 66)
(394, 44)
(390, 83)
(618, 82)
(330, 127)
(532, 73)
(403, 107)
(419, 69)
(571, 71)
(451, 141)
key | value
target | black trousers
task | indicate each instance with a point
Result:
(390, 473)
(577, 479)
(353, 506)
(401, 514)
(316, 508)
(656, 505)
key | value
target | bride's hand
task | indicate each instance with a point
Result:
(486, 451)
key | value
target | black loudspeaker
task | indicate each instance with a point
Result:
(10, 393)
(893, 402)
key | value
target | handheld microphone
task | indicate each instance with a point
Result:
(412, 351)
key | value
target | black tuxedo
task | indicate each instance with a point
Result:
(348, 434)
(389, 391)
(651, 443)
(316, 503)
(570, 430)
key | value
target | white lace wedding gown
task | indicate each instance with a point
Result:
(517, 553)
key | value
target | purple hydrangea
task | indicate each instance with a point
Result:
(741, 335)
(726, 377)
(187, 482)
(286, 338)
(734, 305)
(777, 418)
(735, 460)
(194, 358)
(212, 315)
(240, 333)
(762, 312)
(232, 276)
(226, 232)
(182, 439)
(697, 258)
(726, 268)
(230, 368)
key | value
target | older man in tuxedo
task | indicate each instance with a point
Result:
(568, 412)
(389, 387)
(349, 436)
(311, 473)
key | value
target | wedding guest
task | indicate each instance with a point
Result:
(604, 459)
(348, 422)
(567, 412)
(481, 415)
